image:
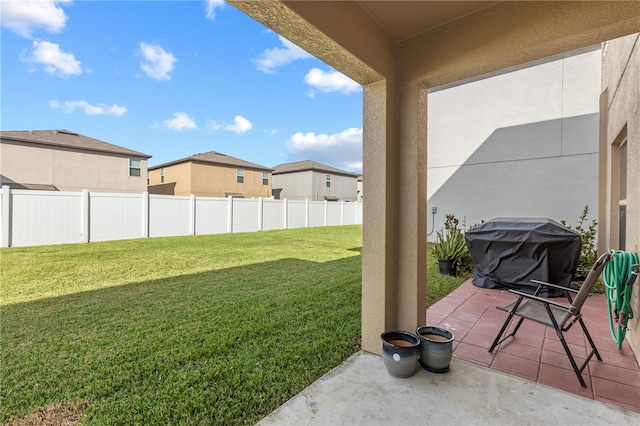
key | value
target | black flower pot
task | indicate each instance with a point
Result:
(447, 266)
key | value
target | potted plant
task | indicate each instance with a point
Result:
(449, 246)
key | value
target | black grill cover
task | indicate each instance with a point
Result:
(510, 252)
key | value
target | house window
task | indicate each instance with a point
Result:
(240, 175)
(134, 167)
(162, 175)
(328, 181)
(265, 178)
(622, 199)
(147, 177)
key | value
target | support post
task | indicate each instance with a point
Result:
(326, 212)
(145, 214)
(286, 213)
(230, 214)
(192, 214)
(306, 211)
(6, 216)
(84, 217)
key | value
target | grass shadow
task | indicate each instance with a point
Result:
(218, 347)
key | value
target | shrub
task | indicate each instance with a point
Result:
(450, 243)
(588, 235)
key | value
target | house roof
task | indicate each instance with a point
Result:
(306, 165)
(66, 139)
(215, 158)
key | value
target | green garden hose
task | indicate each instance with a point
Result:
(618, 275)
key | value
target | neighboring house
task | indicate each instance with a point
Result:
(520, 143)
(309, 180)
(60, 160)
(360, 187)
(210, 174)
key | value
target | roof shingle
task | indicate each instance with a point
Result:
(67, 139)
(215, 158)
(303, 166)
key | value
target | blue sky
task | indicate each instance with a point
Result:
(172, 79)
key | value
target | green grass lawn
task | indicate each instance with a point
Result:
(218, 329)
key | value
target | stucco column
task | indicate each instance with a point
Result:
(412, 205)
(394, 224)
(379, 215)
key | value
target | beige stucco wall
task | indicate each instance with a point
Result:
(69, 170)
(620, 119)
(214, 181)
(207, 180)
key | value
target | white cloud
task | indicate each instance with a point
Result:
(332, 81)
(212, 7)
(23, 17)
(100, 109)
(180, 121)
(342, 149)
(157, 63)
(240, 125)
(212, 126)
(279, 56)
(53, 60)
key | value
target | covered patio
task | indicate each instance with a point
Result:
(528, 381)
(398, 51)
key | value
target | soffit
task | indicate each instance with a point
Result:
(440, 42)
(405, 19)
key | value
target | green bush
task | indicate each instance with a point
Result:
(589, 250)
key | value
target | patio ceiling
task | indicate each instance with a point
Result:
(367, 40)
(406, 19)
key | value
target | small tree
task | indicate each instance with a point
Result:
(588, 238)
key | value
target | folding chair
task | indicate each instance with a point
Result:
(552, 314)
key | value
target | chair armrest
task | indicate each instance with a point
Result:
(540, 299)
(559, 287)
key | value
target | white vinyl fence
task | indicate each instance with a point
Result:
(34, 218)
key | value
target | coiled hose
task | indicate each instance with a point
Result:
(618, 276)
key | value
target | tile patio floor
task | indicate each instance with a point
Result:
(535, 353)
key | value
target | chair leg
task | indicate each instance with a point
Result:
(594, 350)
(576, 370)
(506, 324)
(502, 330)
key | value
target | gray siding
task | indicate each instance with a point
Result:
(311, 185)
(522, 144)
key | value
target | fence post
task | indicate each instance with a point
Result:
(6, 216)
(230, 214)
(326, 212)
(145, 214)
(306, 209)
(192, 214)
(341, 212)
(286, 213)
(260, 213)
(84, 217)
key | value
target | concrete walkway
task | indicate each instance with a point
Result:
(361, 392)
